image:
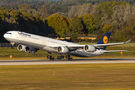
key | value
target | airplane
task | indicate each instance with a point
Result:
(31, 43)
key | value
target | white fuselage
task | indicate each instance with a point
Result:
(45, 42)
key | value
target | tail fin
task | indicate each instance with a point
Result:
(104, 39)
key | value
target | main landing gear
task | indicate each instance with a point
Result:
(69, 58)
(59, 57)
(50, 57)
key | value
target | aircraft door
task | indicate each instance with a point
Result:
(16, 35)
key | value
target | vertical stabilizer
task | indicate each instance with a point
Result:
(104, 39)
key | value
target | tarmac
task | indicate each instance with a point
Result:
(64, 61)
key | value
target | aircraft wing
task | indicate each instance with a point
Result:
(95, 45)
(66, 45)
(70, 47)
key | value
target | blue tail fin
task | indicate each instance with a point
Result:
(104, 39)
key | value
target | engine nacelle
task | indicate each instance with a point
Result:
(26, 49)
(63, 49)
(89, 48)
(30, 50)
(21, 48)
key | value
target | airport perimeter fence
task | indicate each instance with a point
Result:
(7, 45)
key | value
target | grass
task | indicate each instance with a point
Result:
(68, 77)
(6, 52)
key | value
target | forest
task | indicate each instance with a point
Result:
(76, 17)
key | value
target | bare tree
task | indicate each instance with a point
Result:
(78, 10)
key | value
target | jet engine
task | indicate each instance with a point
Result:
(26, 49)
(89, 48)
(63, 49)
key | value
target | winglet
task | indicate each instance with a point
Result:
(128, 41)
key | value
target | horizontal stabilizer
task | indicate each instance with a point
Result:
(114, 51)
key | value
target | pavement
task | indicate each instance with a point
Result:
(64, 61)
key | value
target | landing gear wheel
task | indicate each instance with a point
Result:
(62, 56)
(12, 45)
(59, 58)
(48, 56)
(66, 57)
(69, 58)
(51, 58)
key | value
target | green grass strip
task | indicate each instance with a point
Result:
(68, 77)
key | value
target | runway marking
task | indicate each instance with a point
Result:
(76, 61)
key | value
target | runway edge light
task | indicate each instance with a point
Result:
(11, 56)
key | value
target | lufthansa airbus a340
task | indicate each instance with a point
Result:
(31, 43)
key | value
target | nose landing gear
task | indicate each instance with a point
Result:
(12, 45)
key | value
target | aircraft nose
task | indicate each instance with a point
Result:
(4, 35)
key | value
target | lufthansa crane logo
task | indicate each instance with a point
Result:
(105, 40)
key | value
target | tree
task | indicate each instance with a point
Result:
(58, 23)
(104, 13)
(89, 23)
(76, 25)
(123, 34)
(24, 7)
(43, 11)
(78, 10)
(107, 27)
(131, 24)
(1, 16)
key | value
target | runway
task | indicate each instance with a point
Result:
(75, 61)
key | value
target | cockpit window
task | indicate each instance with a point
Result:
(9, 33)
